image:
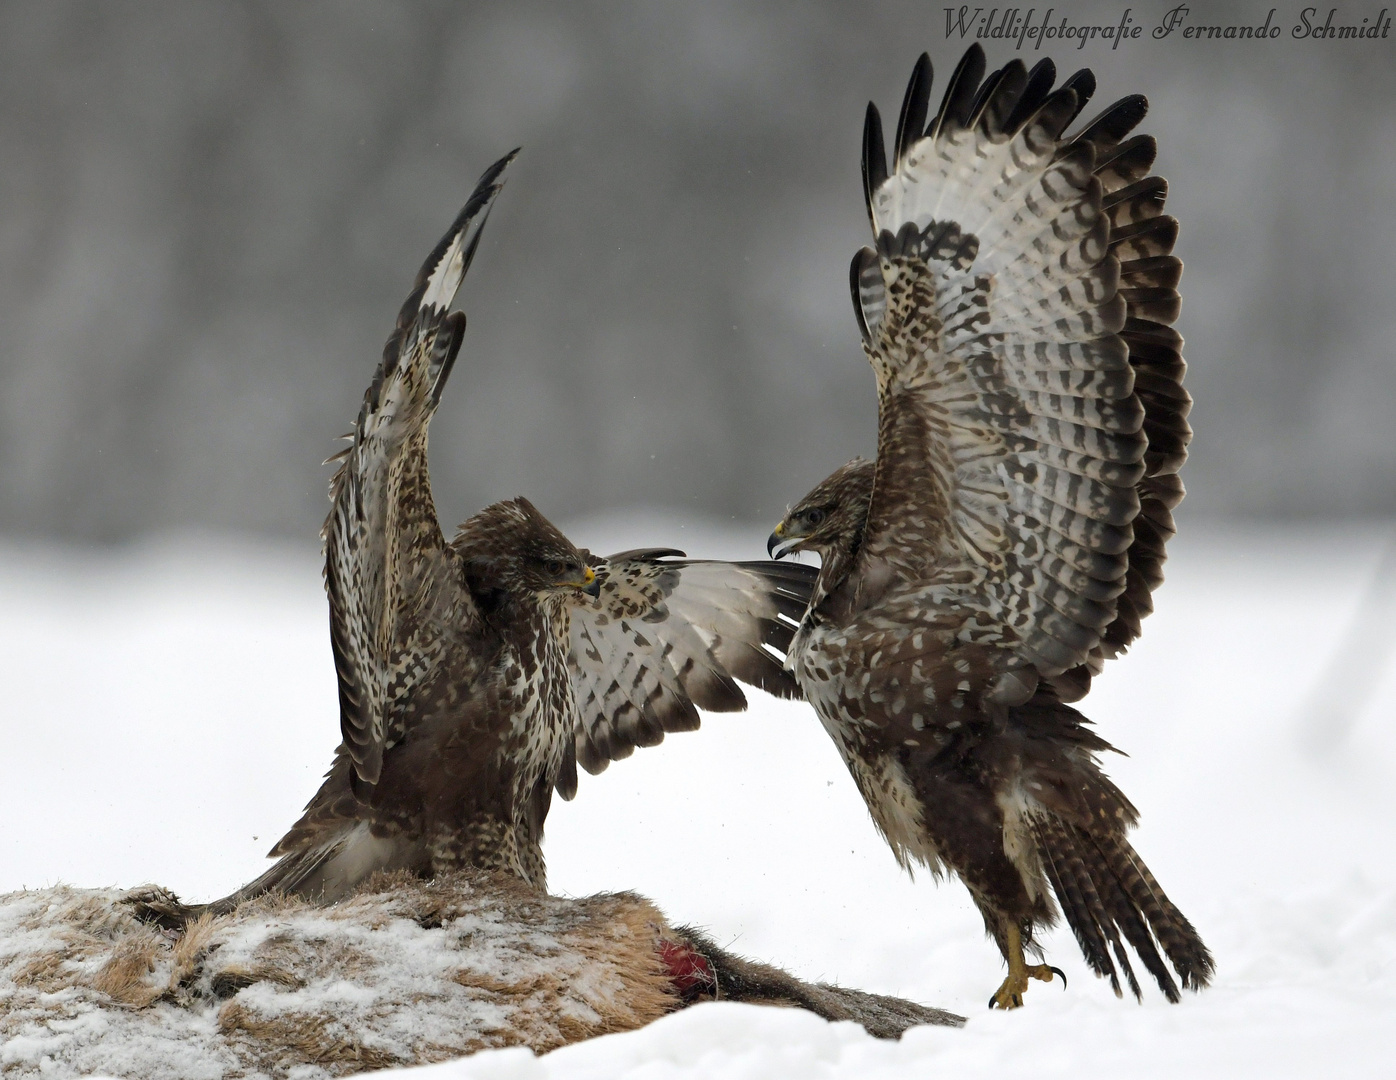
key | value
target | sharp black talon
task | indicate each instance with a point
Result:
(991, 1000)
(1060, 974)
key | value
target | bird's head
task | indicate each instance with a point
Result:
(512, 550)
(829, 518)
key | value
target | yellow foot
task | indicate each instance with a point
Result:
(1010, 994)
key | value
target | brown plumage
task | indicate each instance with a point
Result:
(475, 674)
(1015, 308)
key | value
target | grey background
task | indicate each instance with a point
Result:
(210, 213)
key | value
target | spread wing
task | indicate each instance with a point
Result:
(1016, 308)
(666, 637)
(394, 602)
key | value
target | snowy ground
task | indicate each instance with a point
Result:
(166, 711)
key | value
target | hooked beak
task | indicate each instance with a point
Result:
(778, 545)
(590, 583)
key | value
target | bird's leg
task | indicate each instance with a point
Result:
(1010, 994)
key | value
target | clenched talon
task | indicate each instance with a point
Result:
(1010, 994)
(160, 908)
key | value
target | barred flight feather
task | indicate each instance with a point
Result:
(666, 634)
(474, 676)
(1015, 305)
(382, 516)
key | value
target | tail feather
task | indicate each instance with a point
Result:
(1066, 884)
(1108, 897)
(1088, 917)
(1102, 917)
(1123, 958)
(289, 875)
(324, 869)
(1180, 940)
(1124, 909)
(160, 907)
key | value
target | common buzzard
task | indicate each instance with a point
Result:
(474, 675)
(1016, 309)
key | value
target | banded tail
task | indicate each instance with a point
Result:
(1108, 897)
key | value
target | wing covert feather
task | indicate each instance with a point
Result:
(668, 636)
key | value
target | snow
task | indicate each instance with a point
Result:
(168, 709)
(404, 972)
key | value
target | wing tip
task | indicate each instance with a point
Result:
(874, 159)
(445, 268)
(911, 123)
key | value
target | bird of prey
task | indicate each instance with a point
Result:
(1016, 308)
(474, 675)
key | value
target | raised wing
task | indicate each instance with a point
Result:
(1016, 309)
(666, 637)
(394, 602)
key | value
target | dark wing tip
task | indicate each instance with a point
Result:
(997, 96)
(783, 573)
(855, 273)
(1039, 85)
(1083, 82)
(476, 207)
(911, 123)
(1116, 121)
(874, 158)
(960, 92)
(647, 554)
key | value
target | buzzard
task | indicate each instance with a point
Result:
(474, 675)
(1016, 308)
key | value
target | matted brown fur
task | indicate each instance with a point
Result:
(405, 971)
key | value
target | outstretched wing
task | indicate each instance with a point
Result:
(393, 601)
(1016, 309)
(666, 637)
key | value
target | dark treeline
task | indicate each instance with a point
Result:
(210, 212)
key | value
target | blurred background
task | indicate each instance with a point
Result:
(210, 213)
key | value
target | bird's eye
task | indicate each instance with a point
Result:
(815, 516)
(554, 567)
